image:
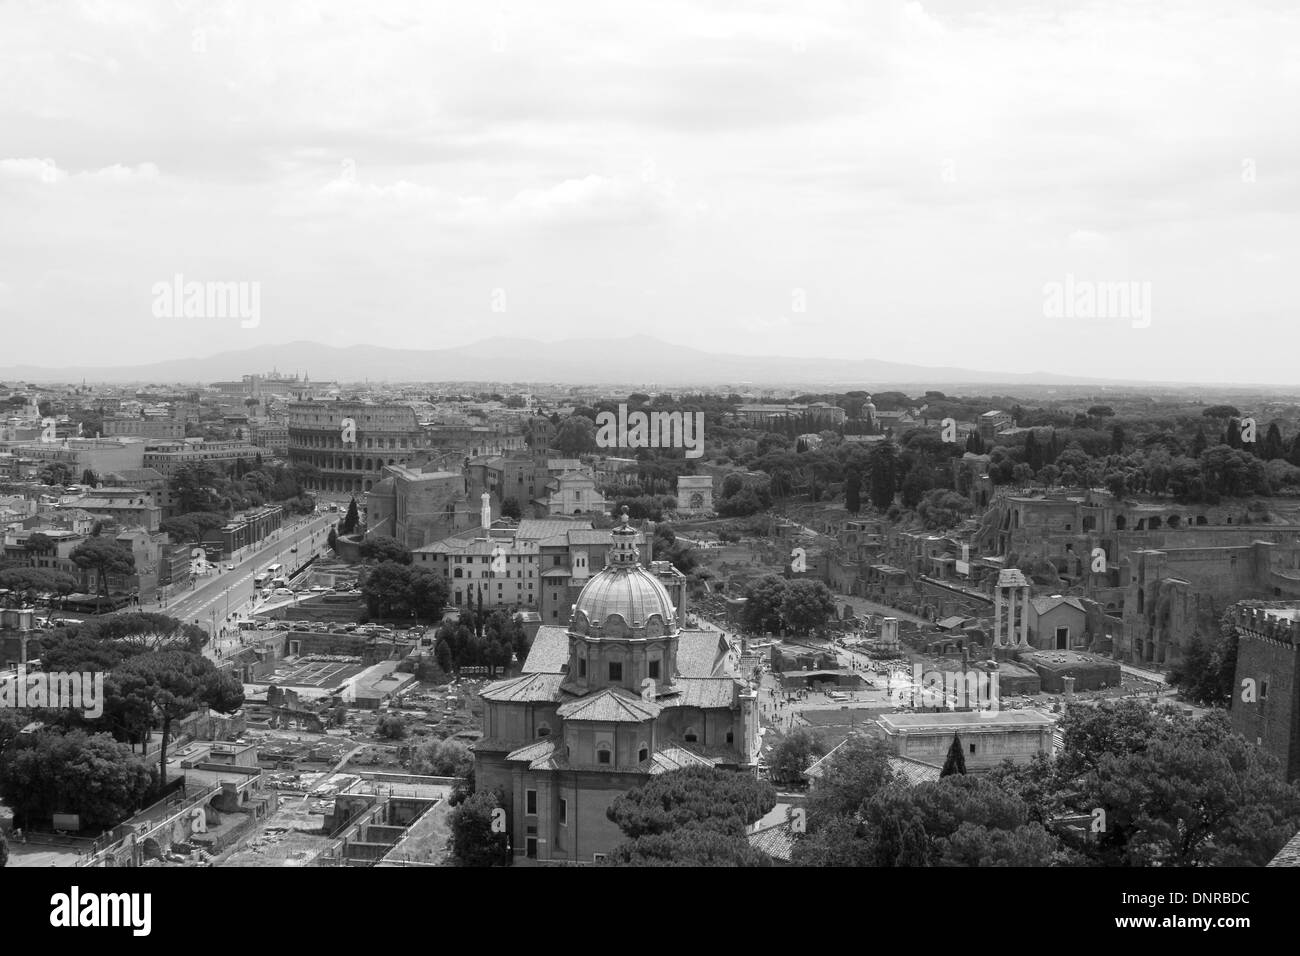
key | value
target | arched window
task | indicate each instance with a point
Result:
(543, 730)
(458, 573)
(604, 754)
(690, 736)
(643, 754)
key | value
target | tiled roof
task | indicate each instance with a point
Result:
(963, 720)
(610, 704)
(674, 757)
(776, 841)
(537, 750)
(136, 474)
(586, 536)
(1044, 604)
(480, 546)
(913, 771)
(549, 653)
(528, 687)
(534, 528)
(706, 692)
(1289, 855)
(701, 654)
(904, 768)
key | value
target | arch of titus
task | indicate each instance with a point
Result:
(1013, 588)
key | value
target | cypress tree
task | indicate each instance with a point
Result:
(853, 492)
(352, 518)
(1272, 443)
(955, 762)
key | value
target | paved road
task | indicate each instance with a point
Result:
(219, 594)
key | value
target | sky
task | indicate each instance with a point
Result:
(917, 182)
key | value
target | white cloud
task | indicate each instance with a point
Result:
(916, 166)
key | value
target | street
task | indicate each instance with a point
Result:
(218, 596)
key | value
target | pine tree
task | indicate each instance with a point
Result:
(955, 762)
(1199, 443)
(1232, 437)
(333, 539)
(1294, 456)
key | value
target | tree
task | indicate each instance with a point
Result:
(955, 762)
(192, 486)
(853, 772)
(55, 473)
(883, 463)
(182, 529)
(853, 492)
(104, 557)
(1195, 795)
(576, 436)
(332, 539)
(93, 776)
(383, 548)
(1221, 411)
(693, 847)
(796, 752)
(510, 509)
(4, 850)
(763, 600)
(27, 585)
(88, 478)
(704, 797)
(398, 590)
(442, 655)
(391, 727)
(695, 816)
(173, 685)
(1272, 447)
(149, 631)
(477, 836)
(443, 758)
(1205, 671)
(351, 519)
(806, 605)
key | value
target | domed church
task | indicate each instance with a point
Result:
(619, 695)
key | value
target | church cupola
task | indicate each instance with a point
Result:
(624, 626)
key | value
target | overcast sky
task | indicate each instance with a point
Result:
(797, 178)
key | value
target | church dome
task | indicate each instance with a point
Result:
(623, 600)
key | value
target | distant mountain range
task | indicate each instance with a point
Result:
(636, 360)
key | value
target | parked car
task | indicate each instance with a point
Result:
(283, 591)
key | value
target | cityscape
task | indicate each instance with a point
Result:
(575, 438)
